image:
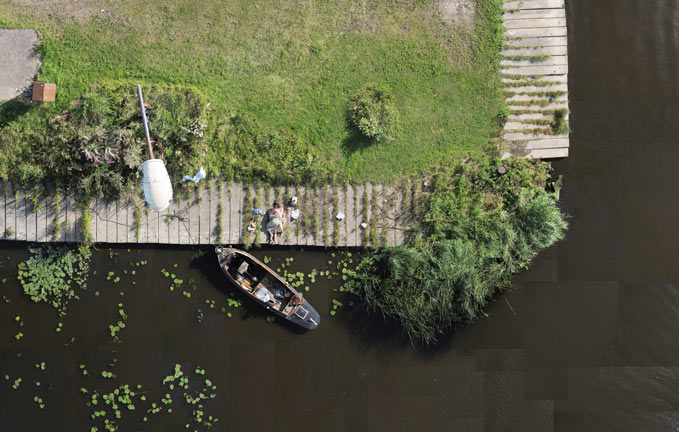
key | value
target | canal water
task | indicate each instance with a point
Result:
(586, 340)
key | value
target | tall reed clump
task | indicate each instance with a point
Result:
(478, 229)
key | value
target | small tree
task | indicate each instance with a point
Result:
(372, 112)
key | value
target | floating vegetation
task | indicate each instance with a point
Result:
(38, 400)
(40, 366)
(17, 383)
(52, 274)
(115, 328)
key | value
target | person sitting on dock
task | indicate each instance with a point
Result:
(275, 222)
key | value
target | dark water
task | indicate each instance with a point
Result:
(588, 339)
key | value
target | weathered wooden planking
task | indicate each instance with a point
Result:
(233, 199)
(532, 80)
(531, 116)
(77, 213)
(121, 221)
(514, 126)
(172, 222)
(319, 204)
(518, 136)
(293, 224)
(215, 199)
(537, 32)
(111, 222)
(3, 226)
(537, 70)
(563, 104)
(551, 61)
(351, 223)
(92, 206)
(299, 192)
(224, 199)
(206, 219)
(31, 216)
(533, 4)
(184, 221)
(534, 23)
(236, 214)
(558, 50)
(543, 143)
(144, 223)
(160, 226)
(20, 214)
(538, 41)
(549, 153)
(362, 214)
(341, 207)
(10, 213)
(377, 216)
(534, 13)
(194, 217)
(360, 218)
(556, 87)
(537, 98)
(261, 203)
(46, 210)
(399, 210)
(131, 230)
(390, 201)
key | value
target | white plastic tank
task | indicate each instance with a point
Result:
(156, 184)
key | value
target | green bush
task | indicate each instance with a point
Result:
(479, 228)
(372, 112)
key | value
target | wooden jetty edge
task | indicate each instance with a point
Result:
(214, 212)
(535, 78)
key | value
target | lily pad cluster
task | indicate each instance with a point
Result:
(53, 274)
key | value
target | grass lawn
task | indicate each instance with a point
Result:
(292, 67)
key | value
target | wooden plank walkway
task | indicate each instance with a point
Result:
(535, 78)
(214, 213)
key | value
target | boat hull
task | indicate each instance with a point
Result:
(304, 315)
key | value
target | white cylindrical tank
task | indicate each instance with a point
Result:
(156, 184)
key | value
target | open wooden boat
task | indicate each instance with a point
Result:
(266, 287)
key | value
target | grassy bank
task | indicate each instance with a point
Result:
(279, 76)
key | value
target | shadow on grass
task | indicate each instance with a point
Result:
(355, 140)
(12, 110)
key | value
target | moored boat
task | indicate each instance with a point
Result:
(266, 287)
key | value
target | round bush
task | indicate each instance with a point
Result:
(372, 112)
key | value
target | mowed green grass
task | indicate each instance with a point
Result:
(293, 65)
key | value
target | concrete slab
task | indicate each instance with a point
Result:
(20, 63)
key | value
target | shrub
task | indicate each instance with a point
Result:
(479, 228)
(372, 112)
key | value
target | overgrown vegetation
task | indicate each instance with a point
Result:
(95, 145)
(54, 275)
(478, 229)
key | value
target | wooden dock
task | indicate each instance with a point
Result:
(215, 212)
(535, 78)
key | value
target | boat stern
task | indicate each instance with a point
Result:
(306, 316)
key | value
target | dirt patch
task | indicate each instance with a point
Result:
(78, 10)
(20, 61)
(458, 12)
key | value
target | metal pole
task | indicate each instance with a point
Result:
(146, 124)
